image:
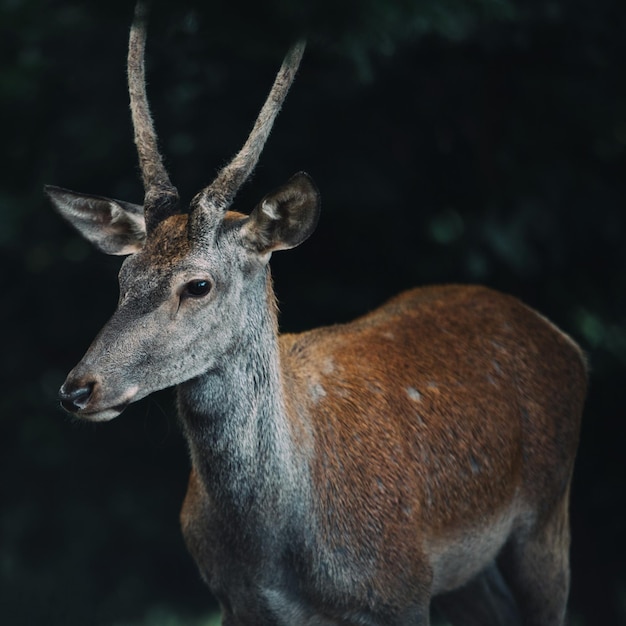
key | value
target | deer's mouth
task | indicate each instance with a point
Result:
(102, 415)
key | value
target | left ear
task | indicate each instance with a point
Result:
(113, 226)
(285, 217)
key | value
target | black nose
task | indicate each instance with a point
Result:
(73, 400)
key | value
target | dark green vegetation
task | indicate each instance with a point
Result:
(452, 141)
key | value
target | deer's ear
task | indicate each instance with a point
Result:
(113, 226)
(285, 217)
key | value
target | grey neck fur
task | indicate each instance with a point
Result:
(236, 425)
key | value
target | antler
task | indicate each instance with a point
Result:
(221, 192)
(161, 197)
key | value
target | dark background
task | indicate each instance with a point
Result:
(452, 141)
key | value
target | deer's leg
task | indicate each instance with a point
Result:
(484, 601)
(536, 565)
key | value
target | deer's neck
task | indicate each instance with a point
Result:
(240, 438)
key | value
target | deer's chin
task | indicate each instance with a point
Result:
(105, 415)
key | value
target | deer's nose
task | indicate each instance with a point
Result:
(75, 397)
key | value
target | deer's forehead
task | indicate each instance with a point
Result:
(168, 244)
(169, 250)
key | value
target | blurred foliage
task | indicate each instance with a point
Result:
(452, 141)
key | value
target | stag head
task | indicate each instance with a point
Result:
(191, 280)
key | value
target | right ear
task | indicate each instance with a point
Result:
(285, 217)
(113, 226)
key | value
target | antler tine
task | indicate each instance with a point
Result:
(161, 197)
(221, 192)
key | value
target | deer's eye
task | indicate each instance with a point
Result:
(196, 288)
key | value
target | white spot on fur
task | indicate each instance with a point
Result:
(328, 366)
(317, 392)
(414, 394)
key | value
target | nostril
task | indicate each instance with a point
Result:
(74, 400)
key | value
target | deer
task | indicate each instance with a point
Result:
(356, 474)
